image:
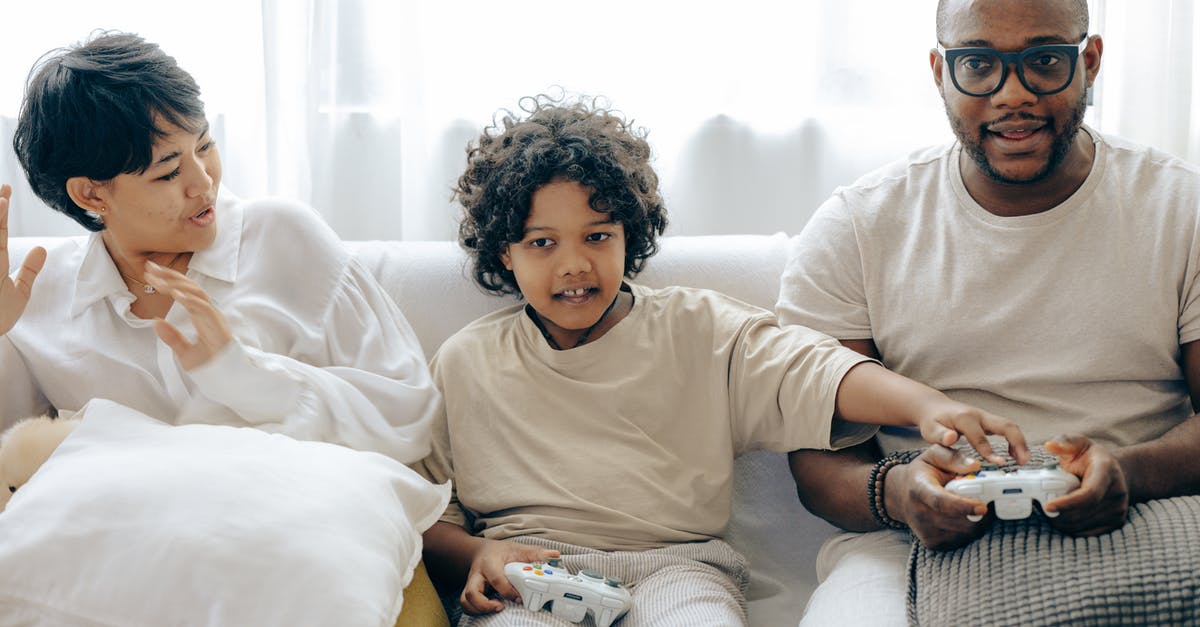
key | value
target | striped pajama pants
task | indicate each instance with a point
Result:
(694, 584)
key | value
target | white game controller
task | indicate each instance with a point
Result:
(570, 596)
(1013, 489)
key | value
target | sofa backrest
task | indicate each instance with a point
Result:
(431, 281)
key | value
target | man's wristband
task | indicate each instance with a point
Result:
(875, 487)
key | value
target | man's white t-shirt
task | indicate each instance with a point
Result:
(1066, 321)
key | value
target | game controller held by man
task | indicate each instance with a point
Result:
(1012, 489)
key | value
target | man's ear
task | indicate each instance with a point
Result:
(506, 260)
(1091, 59)
(935, 64)
(86, 193)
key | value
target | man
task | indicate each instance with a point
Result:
(1034, 268)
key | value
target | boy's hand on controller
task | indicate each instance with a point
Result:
(1101, 503)
(950, 419)
(487, 573)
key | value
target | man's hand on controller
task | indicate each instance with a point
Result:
(914, 493)
(487, 573)
(1101, 504)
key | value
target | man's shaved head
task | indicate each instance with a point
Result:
(946, 8)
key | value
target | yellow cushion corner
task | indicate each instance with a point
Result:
(422, 606)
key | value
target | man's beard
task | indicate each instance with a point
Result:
(973, 143)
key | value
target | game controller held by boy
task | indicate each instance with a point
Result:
(599, 421)
(571, 596)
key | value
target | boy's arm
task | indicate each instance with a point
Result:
(449, 550)
(455, 557)
(833, 485)
(872, 394)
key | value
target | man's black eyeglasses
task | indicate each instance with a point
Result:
(1043, 70)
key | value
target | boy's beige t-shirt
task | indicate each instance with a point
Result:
(627, 442)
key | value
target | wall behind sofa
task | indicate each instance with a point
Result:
(756, 109)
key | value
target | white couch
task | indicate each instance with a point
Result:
(431, 283)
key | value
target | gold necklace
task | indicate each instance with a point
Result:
(146, 287)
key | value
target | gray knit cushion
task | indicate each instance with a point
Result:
(1023, 572)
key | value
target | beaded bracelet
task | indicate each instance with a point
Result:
(875, 486)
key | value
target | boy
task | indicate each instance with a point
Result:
(600, 421)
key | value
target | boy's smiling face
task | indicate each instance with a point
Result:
(570, 263)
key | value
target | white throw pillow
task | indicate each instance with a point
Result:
(134, 522)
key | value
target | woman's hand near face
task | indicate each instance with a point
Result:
(212, 330)
(14, 293)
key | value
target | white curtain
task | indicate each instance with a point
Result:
(756, 109)
(1149, 84)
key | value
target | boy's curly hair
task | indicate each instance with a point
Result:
(582, 142)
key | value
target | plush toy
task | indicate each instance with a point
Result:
(25, 446)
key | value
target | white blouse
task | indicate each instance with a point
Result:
(320, 353)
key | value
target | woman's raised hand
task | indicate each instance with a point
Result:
(212, 329)
(14, 292)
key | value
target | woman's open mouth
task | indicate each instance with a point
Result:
(204, 218)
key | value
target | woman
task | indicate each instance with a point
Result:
(184, 302)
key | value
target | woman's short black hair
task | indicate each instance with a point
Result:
(89, 110)
(582, 142)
